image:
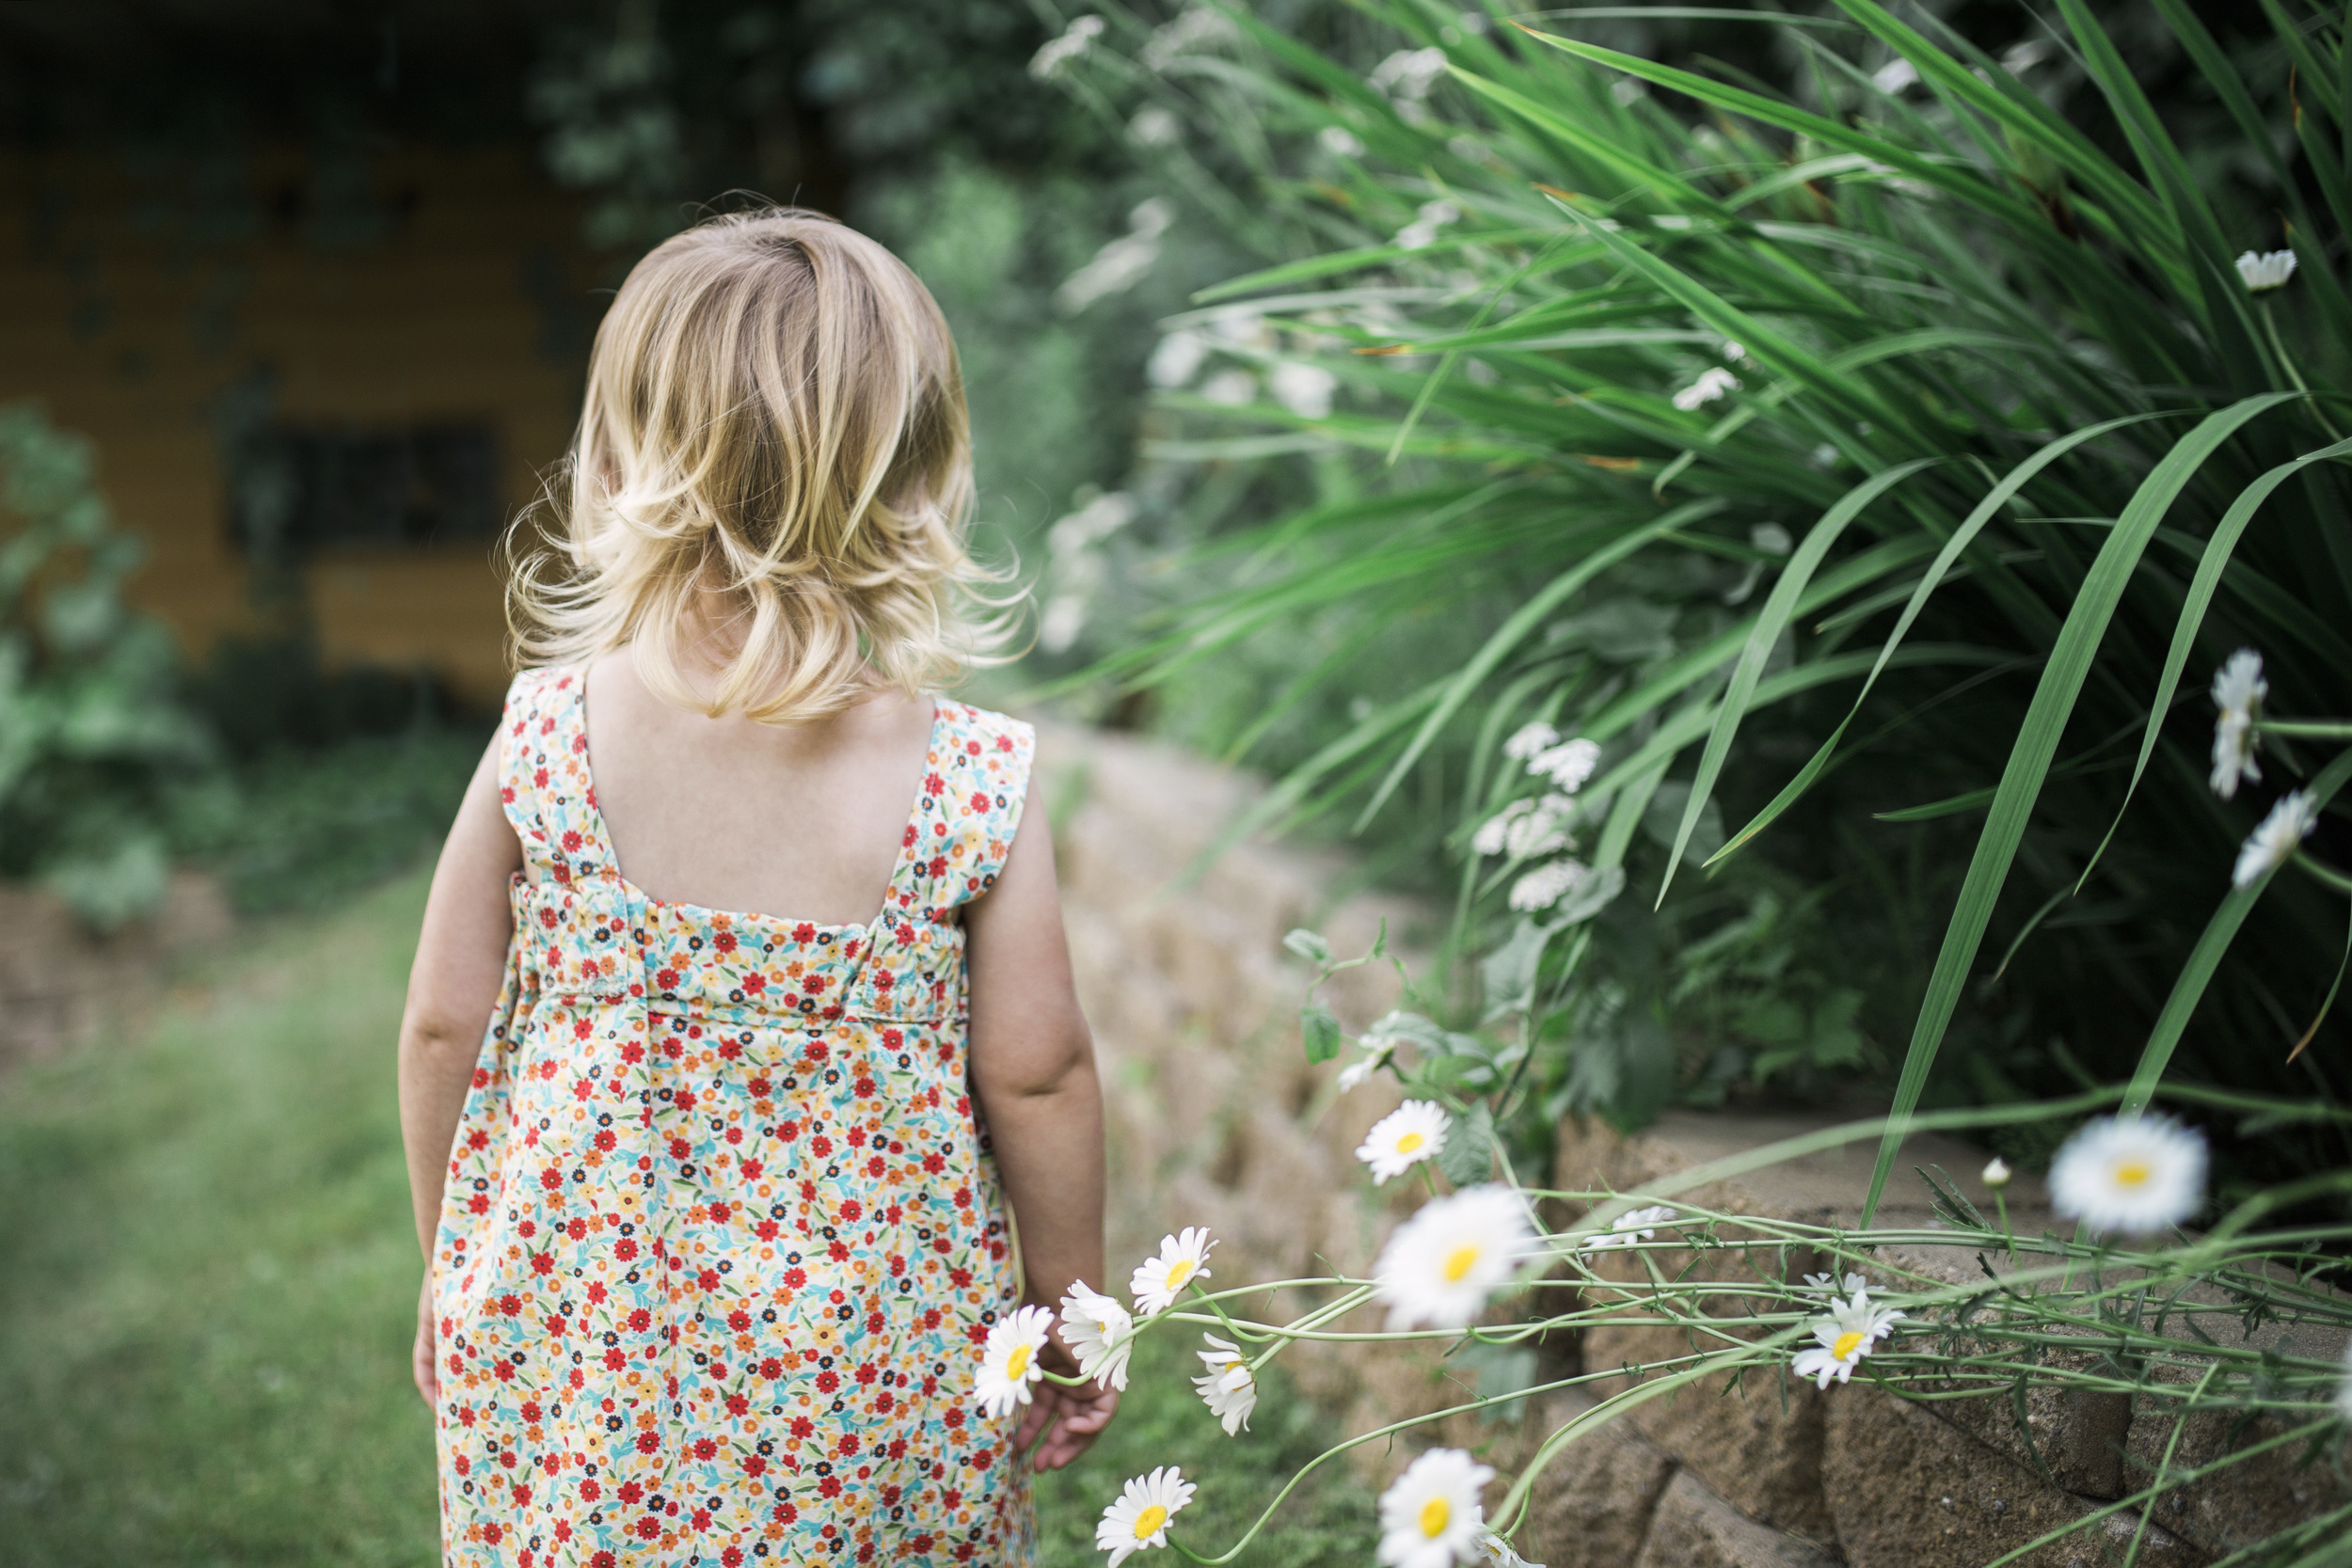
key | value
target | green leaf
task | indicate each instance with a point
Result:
(1468, 1157)
(2210, 565)
(1309, 946)
(1508, 973)
(2036, 745)
(1770, 623)
(2189, 988)
(1319, 1032)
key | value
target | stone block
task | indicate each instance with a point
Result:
(1591, 1507)
(1910, 1491)
(1692, 1528)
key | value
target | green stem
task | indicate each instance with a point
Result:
(2314, 729)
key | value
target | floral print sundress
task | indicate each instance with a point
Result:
(723, 1232)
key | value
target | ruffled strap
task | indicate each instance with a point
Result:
(543, 766)
(969, 809)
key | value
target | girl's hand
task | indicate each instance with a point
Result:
(1063, 1422)
(422, 1358)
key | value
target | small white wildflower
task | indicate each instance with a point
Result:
(1545, 886)
(1229, 1390)
(1008, 1362)
(1139, 1516)
(1568, 764)
(2024, 56)
(2270, 845)
(1421, 232)
(1357, 1073)
(1155, 127)
(2238, 689)
(1341, 142)
(1525, 828)
(1182, 1259)
(1638, 1225)
(1064, 618)
(1529, 739)
(1713, 383)
(1996, 1172)
(1408, 74)
(1851, 1332)
(1473, 23)
(1834, 1285)
(2268, 270)
(1177, 355)
(1431, 1516)
(1626, 91)
(1048, 61)
(1099, 1332)
(1496, 1551)
(2135, 1174)
(1231, 387)
(1734, 352)
(1440, 1265)
(1412, 1132)
(1895, 75)
(1304, 389)
(1824, 457)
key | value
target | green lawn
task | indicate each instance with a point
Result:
(207, 1284)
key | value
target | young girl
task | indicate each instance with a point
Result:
(782, 1052)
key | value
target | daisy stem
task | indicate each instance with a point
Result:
(2000, 1203)
(2314, 729)
(1428, 1179)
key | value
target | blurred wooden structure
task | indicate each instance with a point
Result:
(327, 290)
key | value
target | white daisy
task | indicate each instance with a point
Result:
(1493, 1549)
(2135, 1174)
(1355, 1074)
(1834, 1285)
(1529, 739)
(1341, 142)
(1545, 886)
(1851, 1332)
(1183, 1258)
(1443, 1262)
(1412, 1132)
(1139, 1517)
(1996, 1172)
(1431, 1516)
(1629, 1229)
(1569, 764)
(1099, 1332)
(1232, 1393)
(1009, 1363)
(2268, 847)
(1047, 62)
(2268, 271)
(1895, 75)
(1713, 383)
(1175, 360)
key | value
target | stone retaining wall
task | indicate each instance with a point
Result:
(1216, 1119)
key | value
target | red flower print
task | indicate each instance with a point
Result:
(723, 941)
(666, 978)
(571, 843)
(641, 1319)
(705, 1448)
(803, 932)
(647, 1442)
(755, 1466)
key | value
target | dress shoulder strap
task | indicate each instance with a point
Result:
(970, 807)
(543, 761)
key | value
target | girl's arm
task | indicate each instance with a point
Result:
(461, 962)
(1033, 1069)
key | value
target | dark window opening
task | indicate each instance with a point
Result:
(294, 490)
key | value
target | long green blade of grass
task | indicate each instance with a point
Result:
(2037, 744)
(2189, 988)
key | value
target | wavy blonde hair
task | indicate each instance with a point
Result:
(773, 457)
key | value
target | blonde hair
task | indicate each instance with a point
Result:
(775, 430)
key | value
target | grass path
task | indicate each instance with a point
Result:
(207, 1285)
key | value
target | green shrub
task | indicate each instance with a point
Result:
(1878, 466)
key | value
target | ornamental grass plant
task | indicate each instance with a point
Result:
(1768, 521)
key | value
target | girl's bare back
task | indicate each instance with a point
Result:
(801, 822)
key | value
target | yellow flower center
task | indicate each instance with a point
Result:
(1435, 1515)
(1179, 1271)
(1409, 1142)
(1149, 1520)
(2131, 1173)
(1017, 1363)
(1848, 1346)
(1460, 1262)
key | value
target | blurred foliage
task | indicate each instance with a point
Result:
(92, 736)
(1582, 391)
(295, 784)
